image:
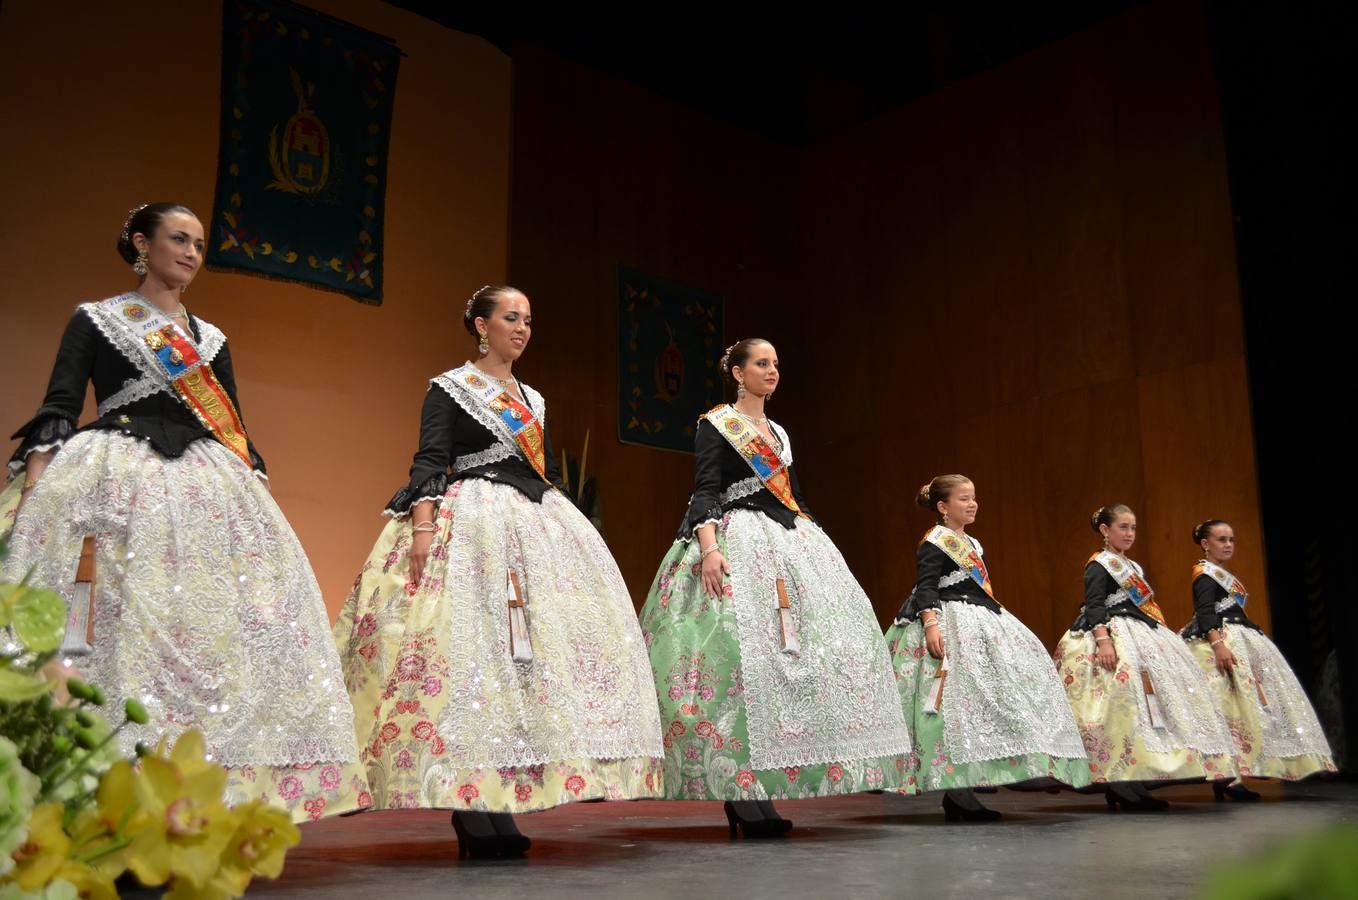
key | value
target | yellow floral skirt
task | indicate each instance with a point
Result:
(1113, 713)
(307, 792)
(1272, 723)
(445, 716)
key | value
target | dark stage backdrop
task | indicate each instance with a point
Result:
(1028, 277)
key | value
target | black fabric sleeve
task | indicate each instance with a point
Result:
(429, 470)
(1096, 596)
(797, 492)
(1206, 593)
(226, 374)
(705, 503)
(551, 463)
(56, 420)
(931, 565)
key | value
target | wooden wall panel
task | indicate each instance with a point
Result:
(1015, 278)
(1057, 237)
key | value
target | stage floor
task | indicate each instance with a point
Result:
(1047, 846)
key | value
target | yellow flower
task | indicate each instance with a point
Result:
(261, 840)
(227, 884)
(183, 825)
(89, 884)
(57, 890)
(117, 796)
(95, 845)
(44, 852)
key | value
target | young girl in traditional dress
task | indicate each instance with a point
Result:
(976, 685)
(1276, 732)
(1142, 705)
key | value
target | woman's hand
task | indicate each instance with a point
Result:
(715, 569)
(933, 636)
(419, 554)
(1104, 651)
(1106, 655)
(34, 465)
(1225, 659)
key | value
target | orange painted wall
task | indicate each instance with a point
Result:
(118, 104)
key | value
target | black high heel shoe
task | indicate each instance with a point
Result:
(1235, 792)
(512, 841)
(776, 822)
(476, 835)
(1143, 803)
(747, 816)
(1150, 802)
(956, 812)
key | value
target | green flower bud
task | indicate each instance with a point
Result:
(136, 713)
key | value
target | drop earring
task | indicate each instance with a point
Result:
(484, 347)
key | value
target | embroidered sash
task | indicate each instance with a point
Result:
(768, 466)
(1129, 578)
(164, 351)
(962, 551)
(513, 418)
(1229, 583)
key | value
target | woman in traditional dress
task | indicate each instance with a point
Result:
(1275, 729)
(977, 686)
(489, 644)
(203, 605)
(773, 678)
(1142, 705)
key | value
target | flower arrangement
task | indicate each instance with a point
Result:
(76, 819)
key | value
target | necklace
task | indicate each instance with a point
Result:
(749, 418)
(754, 423)
(509, 384)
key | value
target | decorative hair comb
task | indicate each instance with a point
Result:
(131, 214)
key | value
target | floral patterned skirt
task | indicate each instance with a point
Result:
(446, 717)
(1000, 717)
(205, 608)
(1113, 713)
(1275, 729)
(829, 711)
